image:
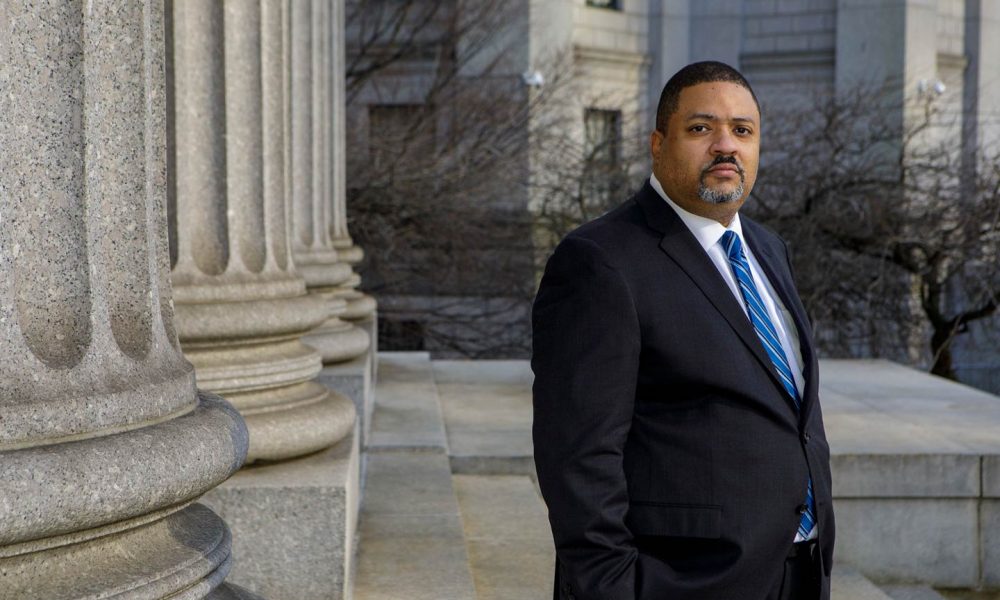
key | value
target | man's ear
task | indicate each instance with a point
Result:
(655, 140)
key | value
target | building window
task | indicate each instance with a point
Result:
(602, 154)
(400, 134)
(609, 4)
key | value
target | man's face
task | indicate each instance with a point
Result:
(707, 159)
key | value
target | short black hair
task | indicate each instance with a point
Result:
(708, 71)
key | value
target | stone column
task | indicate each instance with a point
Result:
(105, 442)
(322, 249)
(315, 157)
(242, 307)
(361, 308)
(242, 304)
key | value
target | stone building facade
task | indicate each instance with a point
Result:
(173, 213)
(610, 58)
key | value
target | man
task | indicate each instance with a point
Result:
(678, 437)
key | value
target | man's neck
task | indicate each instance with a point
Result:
(723, 212)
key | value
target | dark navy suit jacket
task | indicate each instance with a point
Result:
(672, 461)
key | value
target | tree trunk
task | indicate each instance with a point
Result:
(941, 349)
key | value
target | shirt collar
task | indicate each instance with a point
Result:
(707, 231)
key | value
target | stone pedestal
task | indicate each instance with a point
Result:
(105, 443)
(242, 306)
(304, 508)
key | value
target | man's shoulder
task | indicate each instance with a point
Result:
(761, 233)
(614, 230)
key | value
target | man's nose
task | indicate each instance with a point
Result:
(724, 143)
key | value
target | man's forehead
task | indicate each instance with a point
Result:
(718, 99)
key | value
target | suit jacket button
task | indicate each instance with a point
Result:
(801, 509)
(805, 438)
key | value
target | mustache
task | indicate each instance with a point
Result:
(724, 159)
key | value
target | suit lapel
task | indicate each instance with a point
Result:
(681, 246)
(781, 281)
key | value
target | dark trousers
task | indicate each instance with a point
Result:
(801, 578)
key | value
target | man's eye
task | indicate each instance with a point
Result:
(742, 131)
(698, 128)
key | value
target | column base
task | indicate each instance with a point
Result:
(299, 420)
(353, 379)
(338, 341)
(293, 523)
(228, 591)
(359, 305)
(183, 556)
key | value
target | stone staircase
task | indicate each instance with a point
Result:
(450, 508)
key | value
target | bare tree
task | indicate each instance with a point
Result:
(438, 182)
(894, 227)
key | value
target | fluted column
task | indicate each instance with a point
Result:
(360, 307)
(242, 307)
(317, 162)
(104, 440)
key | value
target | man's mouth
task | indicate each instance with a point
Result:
(724, 166)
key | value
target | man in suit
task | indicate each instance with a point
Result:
(679, 442)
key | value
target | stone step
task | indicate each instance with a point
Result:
(407, 414)
(411, 544)
(482, 533)
(912, 592)
(507, 535)
(411, 541)
(487, 411)
(849, 584)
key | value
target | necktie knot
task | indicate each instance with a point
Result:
(731, 242)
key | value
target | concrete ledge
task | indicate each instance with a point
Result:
(910, 540)
(293, 524)
(906, 475)
(991, 476)
(989, 514)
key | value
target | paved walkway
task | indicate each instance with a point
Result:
(451, 510)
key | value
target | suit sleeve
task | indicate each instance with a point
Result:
(585, 354)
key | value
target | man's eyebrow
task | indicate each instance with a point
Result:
(711, 117)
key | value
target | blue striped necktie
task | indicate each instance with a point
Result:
(769, 338)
